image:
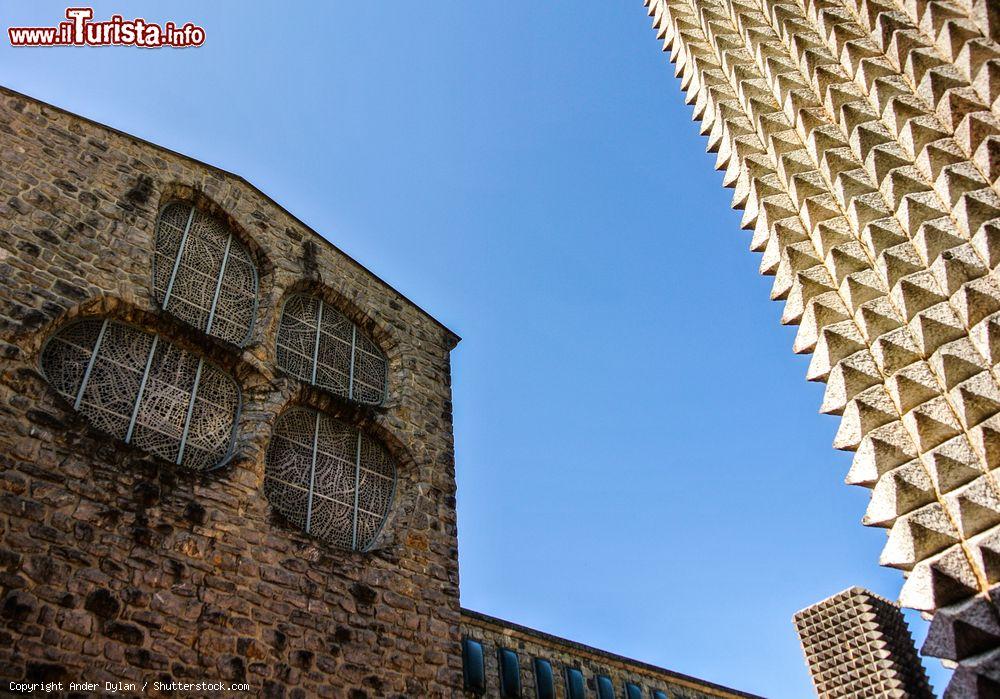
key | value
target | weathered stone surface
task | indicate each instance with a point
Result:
(120, 566)
(561, 653)
(119, 563)
(102, 603)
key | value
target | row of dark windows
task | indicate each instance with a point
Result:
(323, 475)
(509, 679)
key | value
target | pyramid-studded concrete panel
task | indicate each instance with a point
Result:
(857, 645)
(862, 141)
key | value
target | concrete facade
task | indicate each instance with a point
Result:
(862, 141)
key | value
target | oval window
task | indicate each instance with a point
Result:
(329, 478)
(203, 275)
(145, 391)
(317, 344)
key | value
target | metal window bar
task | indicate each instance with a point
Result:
(102, 339)
(319, 326)
(142, 389)
(350, 375)
(90, 365)
(190, 410)
(218, 285)
(177, 260)
(256, 305)
(357, 492)
(312, 474)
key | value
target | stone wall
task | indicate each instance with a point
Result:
(862, 141)
(529, 644)
(117, 566)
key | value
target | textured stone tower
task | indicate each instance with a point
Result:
(857, 644)
(862, 140)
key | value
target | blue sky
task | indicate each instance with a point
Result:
(641, 465)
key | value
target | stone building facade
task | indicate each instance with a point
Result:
(560, 656)
(226, 447)
(121, 564)
(862, 141)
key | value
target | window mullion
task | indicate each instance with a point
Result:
(218, 284)
(177, 260)
(319, 325)
(142, 389)
(357, 487)
(312, 474)
(190, 410)
(90, 366)
(354, 345)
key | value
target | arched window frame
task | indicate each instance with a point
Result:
(310, 486)
(194, 209)
(77, 401)
(325, 306)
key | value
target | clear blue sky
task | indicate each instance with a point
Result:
(641, 465)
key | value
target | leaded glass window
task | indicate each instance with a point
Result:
(317, 344)
(203, 275)
(145, 391)
(329, 478)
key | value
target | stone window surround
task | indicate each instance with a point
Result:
(158, 344)
(237, 240)
(249, 450)
(359, 336)
(350, 305)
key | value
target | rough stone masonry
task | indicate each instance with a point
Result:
(118, 566)
(121, 566)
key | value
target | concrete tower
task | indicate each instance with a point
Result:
(862, 141)
(857, 644)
